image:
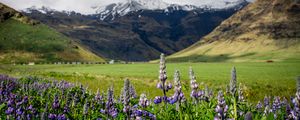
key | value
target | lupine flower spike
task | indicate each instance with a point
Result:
(233, 82)
(194, 85)
(221, 108)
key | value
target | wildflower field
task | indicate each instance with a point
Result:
(174, 98)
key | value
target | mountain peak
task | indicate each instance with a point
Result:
(122, 8)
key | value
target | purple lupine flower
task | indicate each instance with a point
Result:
(126, 98)
(157, 100)
(98, 97)
(25, 100)
(9, 110)
(241, 94)
(259, 106)
(28, 116)
(221, 108)
(168, 86)
(162, 74)
(233, 81)
(19, 111)
(194, 85)
(266, 101)
(110, 110)
(290, 113)
(66, 109)
(61, 117)
(276, 106)
(52, 116)
(10, 102)
(132, 91)
(159, 85)
(178, 94)
(30, 107)
(55, 104)
(296, 103)
(144, 102)
(138, 113)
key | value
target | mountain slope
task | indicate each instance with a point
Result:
(138, 35)
(264, 30)
(25, 40)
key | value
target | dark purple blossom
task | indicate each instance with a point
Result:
(55, 104)
(157, 100)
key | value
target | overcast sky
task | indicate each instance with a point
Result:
(82, 6)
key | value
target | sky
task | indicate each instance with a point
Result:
(82, 6)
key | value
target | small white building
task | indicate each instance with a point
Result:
(31, 63)
(112, 62)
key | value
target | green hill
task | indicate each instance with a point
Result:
(25, 40)
(266, 30)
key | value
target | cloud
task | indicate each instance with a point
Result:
(82, 6)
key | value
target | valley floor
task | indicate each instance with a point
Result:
(258, 79)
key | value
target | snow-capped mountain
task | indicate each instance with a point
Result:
(139, 30)
(42, 9)
(46, 10)
(127, 6)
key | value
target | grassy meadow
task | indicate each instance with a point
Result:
(258, 79)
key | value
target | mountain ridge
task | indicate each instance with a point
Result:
(264, 30)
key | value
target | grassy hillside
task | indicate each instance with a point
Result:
(25, 40)
(264, 30)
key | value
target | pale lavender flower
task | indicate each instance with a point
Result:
(276, 104)
(132, 91)
(241, 94)
(144, 102)
(266, 101)
(259, 106)
(194, 86)
(221, 108)
(178, 95)
(162, 74)
(126, 98)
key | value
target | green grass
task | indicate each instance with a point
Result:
(38, 38)
(20, 42)
(260, 79)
